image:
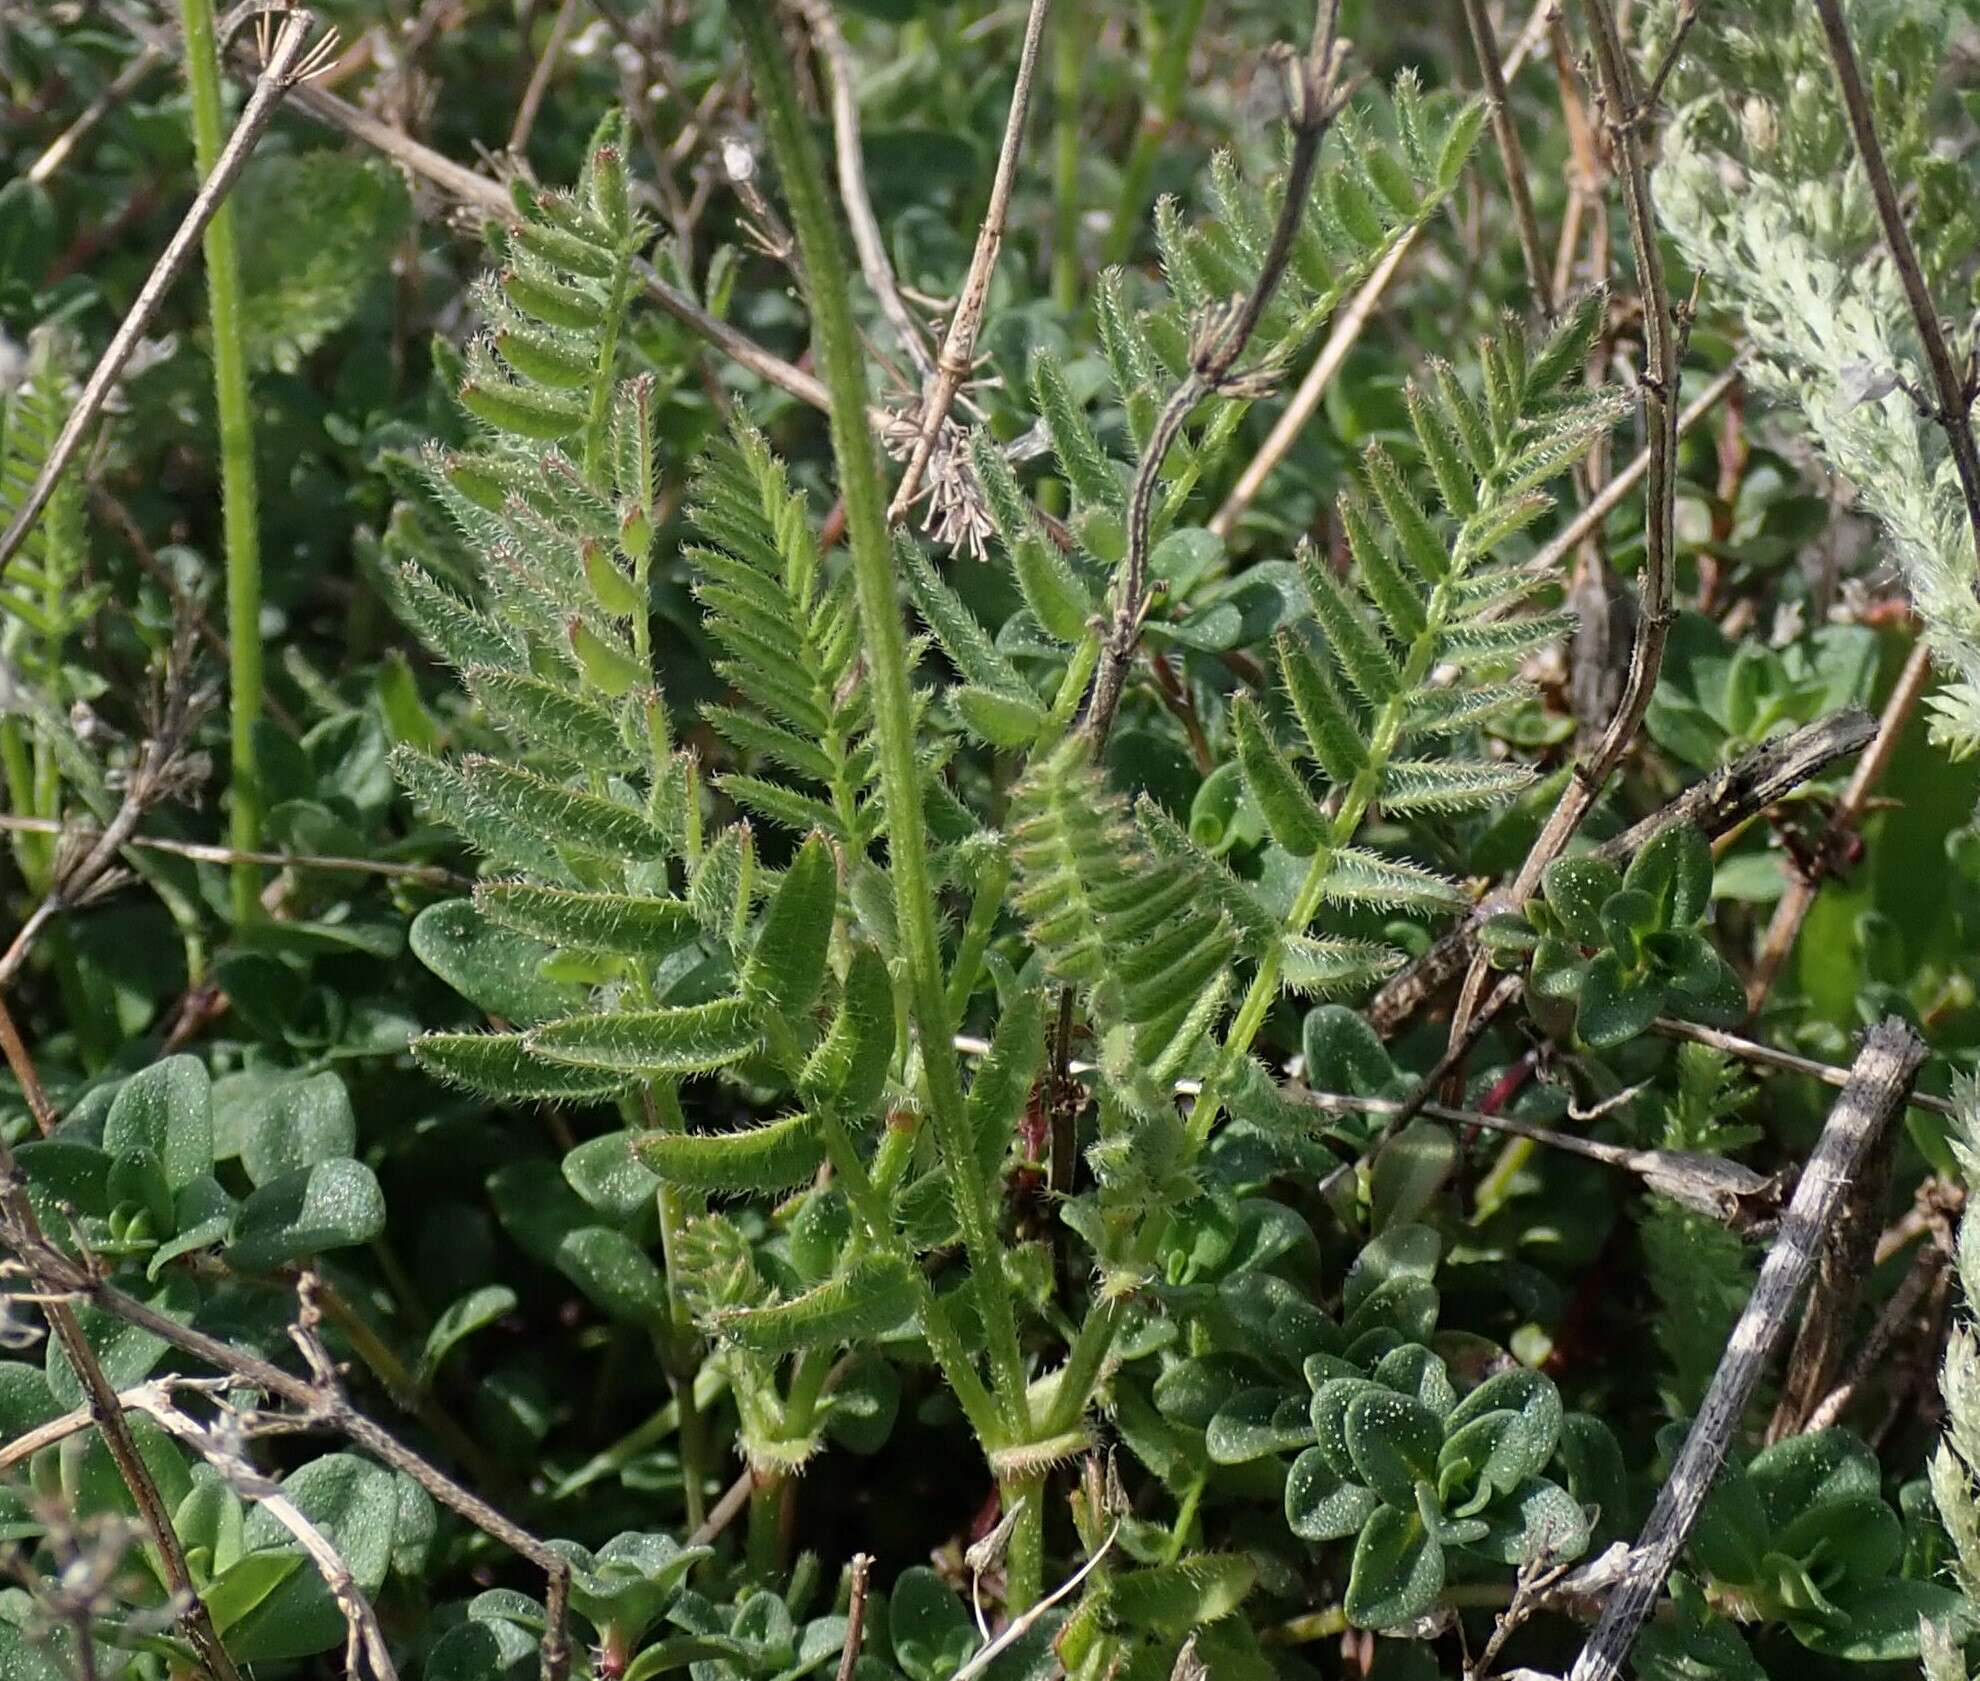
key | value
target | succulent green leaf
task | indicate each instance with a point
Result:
(1397, 1573)
(787, 967)
(772, 1156)
(874, 1294)
(686, 1039)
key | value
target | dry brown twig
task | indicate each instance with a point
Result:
(1953, 392)
(725, 1510)
(167, 769)
(1315, 94)
(1512, 155)
(539, 79)
(122, 86)
(1878, 1081)
(1659, 387)
(1804, 883)
(1920, 1279)
(1710, 1185)
(1815, 1361)
(20, 1232)
(221, 1446)
(1717, 804)
(62, 1280)
(1787, 1062)
(958, 352)
(287, 64)
(423, 875)
(874, 262)
(1347, 330)
(862, 1568)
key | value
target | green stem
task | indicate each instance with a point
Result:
(764, 1546)
(983, 912)
(681, 1340)
(870, 1205)
(1024, 1558)
(598, 414)
(1185, 1518)
(1169, 77)
(1095, 1337)
(709, 1383)
(240, 533)
(837, 349)
(33, 854)
(1067, 41)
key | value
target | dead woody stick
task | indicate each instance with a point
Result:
(278, 75)
(1878, 1082)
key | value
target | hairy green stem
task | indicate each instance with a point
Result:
(1095, 1337)
(764, 1546)
(664, 1107)
(1068, 34)
(240, 531)
(1024, 1554)
(598, 411)
(837, 349)
(1166, 84)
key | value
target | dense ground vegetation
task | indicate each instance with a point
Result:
(904, 839)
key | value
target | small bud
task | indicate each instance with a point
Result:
(1759, 124)
(610, 588)
(609, 197)
(636, 534)
(610, 670)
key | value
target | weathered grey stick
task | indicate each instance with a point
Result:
(959, 344)
(1877, 1085)
(277, 76)
(1711, 1185)
(1822, 1343)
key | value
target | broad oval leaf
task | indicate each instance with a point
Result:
(1393, 1441)
(1255, 1423)
(331, 1205)
(1397, 1573)
(168, 1110)
(1321, 1504)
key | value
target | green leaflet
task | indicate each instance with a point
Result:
(618, 924)
(689, 1039)
(1004, 1079)
(1175, 1598)
(849, 1067)
(506, 407)
(1450, 784)
(771, 1157)
(1320, 968)
(790, 639)
(502, 1065)
(458, 633)
(561, 816)
(875, 1294)
(549, 716)
(1332, 733)
(788, 964)
(1052, 589)
(1296, 822)
(1143, 932)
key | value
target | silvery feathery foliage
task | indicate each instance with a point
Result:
(1955, 1467)
(1765, 199)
